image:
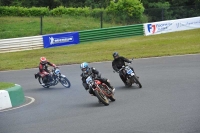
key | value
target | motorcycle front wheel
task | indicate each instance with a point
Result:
(137, 81)
(101, 97)
(65, 82)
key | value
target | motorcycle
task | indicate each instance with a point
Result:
(56, 77)
(130, 76)
(101, 90)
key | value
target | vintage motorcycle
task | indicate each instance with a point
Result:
(101, 90)
(56, 77)
(130, 76)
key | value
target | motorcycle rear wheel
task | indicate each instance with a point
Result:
(40, 80)
(101, 97)
(111, 93)
(112, 98)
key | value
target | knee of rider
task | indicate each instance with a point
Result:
(108, 80)
(91, 92)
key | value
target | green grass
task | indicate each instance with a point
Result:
(12, 27)
(175, 43)
(5, 85)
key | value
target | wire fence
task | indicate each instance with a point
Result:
(11, 27)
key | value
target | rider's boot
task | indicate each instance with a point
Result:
(111, 87)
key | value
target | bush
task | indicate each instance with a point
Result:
(39, 11)
(22, 11)
(132, 8)
(122, 12)
(126, 10)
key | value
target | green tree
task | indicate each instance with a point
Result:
(127, 10)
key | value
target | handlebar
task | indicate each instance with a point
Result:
(119, 69)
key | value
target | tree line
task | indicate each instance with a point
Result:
(96, 3)
(119, 11)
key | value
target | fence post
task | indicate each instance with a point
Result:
(41, 25)
(101, 19)
(162, 14)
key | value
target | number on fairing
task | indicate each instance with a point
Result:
(57, 71)
(88, 79)
(130, 71)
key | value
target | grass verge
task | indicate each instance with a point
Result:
(175, 43)
(13, 27)
(6, 85)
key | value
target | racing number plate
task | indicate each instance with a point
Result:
(88, 79)
(129, 71)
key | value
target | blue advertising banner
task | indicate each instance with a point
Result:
(63, 39)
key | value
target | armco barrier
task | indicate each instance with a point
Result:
(36, 42)
(113, 32)
(21, 44)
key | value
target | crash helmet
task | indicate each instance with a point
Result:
(43, 60)
(84, 67)
(115, 55)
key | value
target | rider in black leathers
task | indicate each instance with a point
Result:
(86, 71)
(117, 64)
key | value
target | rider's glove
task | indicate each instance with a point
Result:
(98, 76)
(55, 66)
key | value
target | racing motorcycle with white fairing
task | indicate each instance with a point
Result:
(130, 76)
(56, 77)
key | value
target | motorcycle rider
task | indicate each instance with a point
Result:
(87, 71)
(43, 70)
(117, 64)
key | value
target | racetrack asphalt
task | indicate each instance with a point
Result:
(169, 101)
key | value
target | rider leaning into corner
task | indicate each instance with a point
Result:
(86, 71)
(43, 70)
(117, 64)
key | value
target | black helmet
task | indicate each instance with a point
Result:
(115, 55)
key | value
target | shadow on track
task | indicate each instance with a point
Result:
(46, 89)
(127, 88)
(91, 104)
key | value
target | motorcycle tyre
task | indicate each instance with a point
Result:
(112, 98)
(103, 100)
(40, 81)
(67, 81)
(137, 81)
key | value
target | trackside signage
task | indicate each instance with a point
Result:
(171, 26)
(54, 40)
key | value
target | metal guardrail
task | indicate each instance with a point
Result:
(21, 44)
(36, 42)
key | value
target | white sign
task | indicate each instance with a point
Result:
(171, 26)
